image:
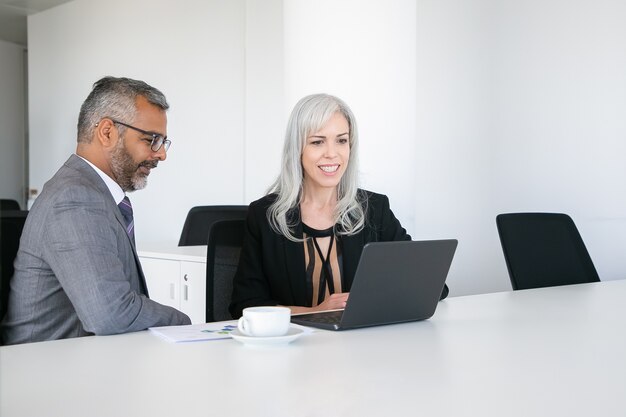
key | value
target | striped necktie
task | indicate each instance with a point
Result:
(127, 211)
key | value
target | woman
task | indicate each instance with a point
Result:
(304, 239)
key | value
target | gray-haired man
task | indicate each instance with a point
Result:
(77, 272)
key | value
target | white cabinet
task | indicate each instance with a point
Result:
(193, 290)
(163, 279)
(176, 276)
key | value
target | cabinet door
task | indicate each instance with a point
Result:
(163, 279)
(193, 290)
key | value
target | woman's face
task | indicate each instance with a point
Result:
(326, 154)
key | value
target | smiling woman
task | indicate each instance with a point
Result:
(304, 239)
(325, 157)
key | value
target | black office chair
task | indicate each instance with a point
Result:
(8, 204)
(224, 247)
(200, 218)
(544, 250)
(11, 226)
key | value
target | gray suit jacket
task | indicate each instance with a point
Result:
(77, 272)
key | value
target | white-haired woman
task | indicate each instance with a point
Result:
(304, 239)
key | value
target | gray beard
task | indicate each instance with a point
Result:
(126, 171)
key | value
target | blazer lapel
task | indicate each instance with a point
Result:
(142, 278)
(75, 162)
(294, 256)
(351, 247)
(120, 219)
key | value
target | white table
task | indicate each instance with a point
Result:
(546, 352)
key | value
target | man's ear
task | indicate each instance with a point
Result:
(106, 133)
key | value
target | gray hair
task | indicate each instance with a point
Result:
(308, 116)
(115, 98)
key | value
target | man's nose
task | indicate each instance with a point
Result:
(161, 154)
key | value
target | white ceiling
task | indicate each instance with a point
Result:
(13, 17)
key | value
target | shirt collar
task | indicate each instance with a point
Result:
(116, 191)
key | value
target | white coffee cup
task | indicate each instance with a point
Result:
(265, 321)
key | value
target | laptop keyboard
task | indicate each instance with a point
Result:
(330, 317)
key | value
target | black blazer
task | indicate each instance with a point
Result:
(271, 267)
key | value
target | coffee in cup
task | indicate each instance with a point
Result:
(267, 321)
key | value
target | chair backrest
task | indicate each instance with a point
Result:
(8, 204)
(544, 250)
(200, 218)
(225, 241)
(11, 226)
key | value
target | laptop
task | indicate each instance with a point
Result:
(394, 282)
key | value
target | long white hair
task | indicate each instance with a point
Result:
(308, 116)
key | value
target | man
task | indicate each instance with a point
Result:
(77, 272)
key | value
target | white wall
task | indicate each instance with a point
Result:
(466, 108)
(522, 108)
(193, 51)
(265, 95)
(455, 163)
(363, 52)
(12, 123)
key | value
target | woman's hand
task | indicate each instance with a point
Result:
(334, 302)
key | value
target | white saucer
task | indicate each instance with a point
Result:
(292, 334)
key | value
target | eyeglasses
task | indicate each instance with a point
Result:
(157, 140)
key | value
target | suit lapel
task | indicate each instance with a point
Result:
(122, 222)
(77, 163)
(351, 247)
(142, 278)
(294, 257)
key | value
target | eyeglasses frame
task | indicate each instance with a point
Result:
(156, 138)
